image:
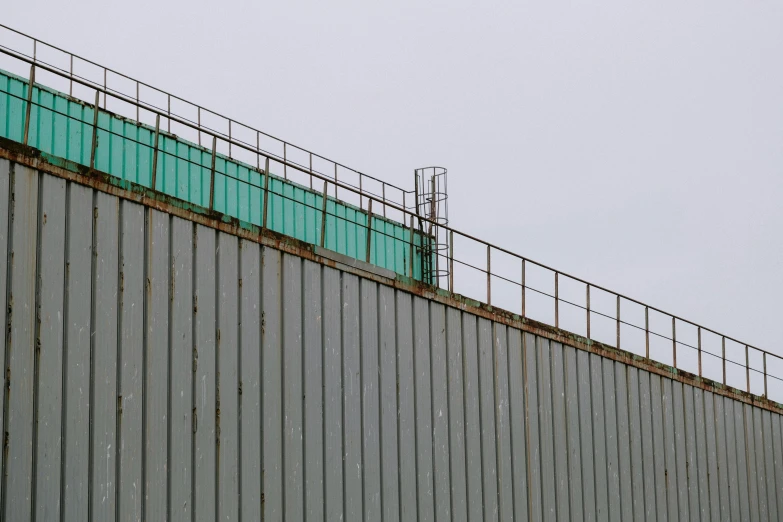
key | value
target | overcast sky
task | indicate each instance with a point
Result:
(636, 145)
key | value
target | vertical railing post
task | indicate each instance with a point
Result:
(765, 375)
(229, 138)
(94, 131)
(674, 342)
(489, 276)
(105, 87)
(168, 125)
(137, 101)
(258, 149)
(383, 195)
(698, 330)
(369, 229)
(587, 301)
(266, 194)
(451, 261)
(155, 153)
(618, 322)
(361, 193)
(323, 217)
(70, 80)
(285, 161)
(311, 171)
(747, 367)
(30, 84)
(198, 117)
(723, 358)
(523, 287)
(647, 332)
(410, 264)
(557, 300)
(212, 176)
(335, 184)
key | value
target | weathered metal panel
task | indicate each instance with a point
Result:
(204, 376)
(388, 407)
(130, 362)
(352, 389)
(635, 426)
(250, 379)
(586, 435)
(5, 211)
(623, 441)
(181, 371)
(440, 413)
(670, 450)
(189, 375)
(293, 468)
(610, 416)
(599, 439)
(156, 384)
(518, 421)
(333, 395)
(486, 366)
(313, 393)
(407, 405)
(750, 445)
(370, 371)
(722, 460)
(456, 405)
(21, 343)
(502, 427)
(648, 458)
(76, 359)
(544, 380)
(50, 342)
(735, 486)
(560, 435)
(422, 384)
(659, 454)
(475, 497)
(272, 371)
(712, 455)
(679, 433)
(702, 474)
(104, 356)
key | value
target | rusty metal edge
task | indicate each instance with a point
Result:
(68, 170)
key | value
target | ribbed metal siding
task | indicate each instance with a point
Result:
(158, 369)
(125, 150)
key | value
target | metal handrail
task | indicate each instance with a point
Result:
(69, 74)
(414, 215)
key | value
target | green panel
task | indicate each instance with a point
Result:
(62, 126)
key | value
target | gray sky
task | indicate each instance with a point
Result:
(636, 145)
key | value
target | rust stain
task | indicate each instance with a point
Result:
(108, 184)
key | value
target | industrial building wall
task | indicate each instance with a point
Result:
(158, 369)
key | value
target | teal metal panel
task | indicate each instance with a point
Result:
(62, 126)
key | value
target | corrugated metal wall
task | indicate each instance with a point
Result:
(158, 369)
(62, 126)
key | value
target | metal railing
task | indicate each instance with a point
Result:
(519, 284)
(290, 155)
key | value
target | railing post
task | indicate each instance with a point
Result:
(587, 300)
(335, 184)
(168, 125)
(30, 104)
(410, 264)
(323, 217)
(647, 332)
(747, 367)
(94, 131)
(266, 193)
(155, 152)
(285, 161)
(765, 375)
(489, 276)
(557, 301)
(70, 79)
(674, 342)
(723, 358)
(212, 177)
(451, 261)
(369, 229)
(699, 347)
(383, 195)
(523, 287)
(618, 322)
(311, 171)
